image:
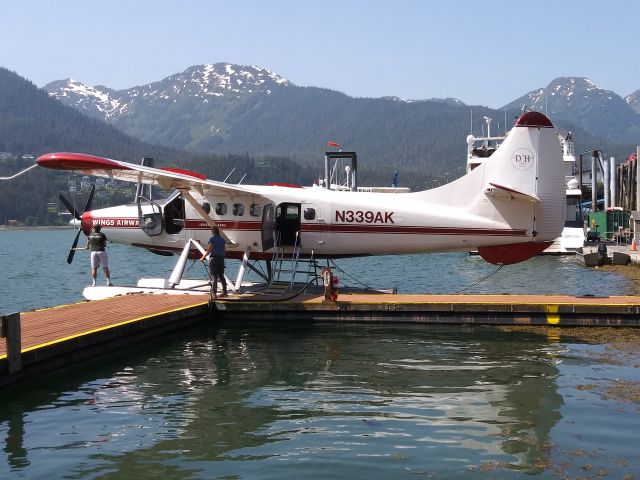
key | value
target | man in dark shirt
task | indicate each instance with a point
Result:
(96, 243)
(216, 248)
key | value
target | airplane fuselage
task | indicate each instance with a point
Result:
(330, 223)
(509, 208)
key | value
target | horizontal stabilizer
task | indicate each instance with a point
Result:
(502, 191)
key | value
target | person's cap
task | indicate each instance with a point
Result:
(97, 228)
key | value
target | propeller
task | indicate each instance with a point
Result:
(77, 216)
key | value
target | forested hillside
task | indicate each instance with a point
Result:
(32, 123)
(227, 108)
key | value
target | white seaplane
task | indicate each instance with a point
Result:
(509, 209)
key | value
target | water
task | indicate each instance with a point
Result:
(34, 272)
(317, 402)
(327, 402)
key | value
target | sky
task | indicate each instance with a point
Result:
(482, 52)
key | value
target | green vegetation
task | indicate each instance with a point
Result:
(32, 124)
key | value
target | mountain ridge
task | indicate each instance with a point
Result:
(579, 101)
(215, 108)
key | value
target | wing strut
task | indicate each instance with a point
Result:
(205, 216)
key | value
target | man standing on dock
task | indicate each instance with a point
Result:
(97, 243)
(216, 263)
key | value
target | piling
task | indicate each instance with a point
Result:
(10, 330)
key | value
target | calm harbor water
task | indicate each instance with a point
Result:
(34, 272)
(290, 402)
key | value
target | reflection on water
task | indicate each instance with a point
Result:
(324, 401)
(339, 402)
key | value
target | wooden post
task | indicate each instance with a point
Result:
(594, 183)
(10, 329)
(628, 186)
(637, 162)
(623, 189)
(580, 176)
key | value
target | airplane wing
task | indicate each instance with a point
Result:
(166, 178)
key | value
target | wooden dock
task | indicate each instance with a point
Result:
(55, 337)
(556, 310)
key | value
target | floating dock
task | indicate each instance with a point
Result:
(52, 338)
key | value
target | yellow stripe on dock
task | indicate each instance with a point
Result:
(110, 326)
(553, 317)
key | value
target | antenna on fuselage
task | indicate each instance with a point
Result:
(227, 177)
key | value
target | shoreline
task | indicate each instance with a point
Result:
(631, 272)
(6, 228)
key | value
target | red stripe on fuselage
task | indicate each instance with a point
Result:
(256, 226)
(395, 229)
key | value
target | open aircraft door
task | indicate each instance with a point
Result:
(288, 220)
(149, 216)
(268, 227)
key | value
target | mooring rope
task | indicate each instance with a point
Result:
(367, 287)
(486, 277)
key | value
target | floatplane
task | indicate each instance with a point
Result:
(509, 209)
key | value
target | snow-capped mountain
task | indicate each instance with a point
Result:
(182, 110)
(99, 102)
(633, 100)
(205, 83)
(565, 92)
(579, 101)
(225, 108)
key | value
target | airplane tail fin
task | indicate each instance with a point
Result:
(518, 193)
(529, 169)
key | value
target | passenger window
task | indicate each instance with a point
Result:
(221, 208)
(255, 210)
(206, 207)
(238, 209)
(309, 213)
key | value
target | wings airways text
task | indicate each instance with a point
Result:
(116, 222)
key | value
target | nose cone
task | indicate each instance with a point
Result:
(86, 222)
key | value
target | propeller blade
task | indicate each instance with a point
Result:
(72, 252)
(87, 207)
(72, 210)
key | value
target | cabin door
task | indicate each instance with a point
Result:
(288, 223)
(149, 217)
(268, 226)
(174, 219)
(314, 228)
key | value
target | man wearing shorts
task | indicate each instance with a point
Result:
(96, 243)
